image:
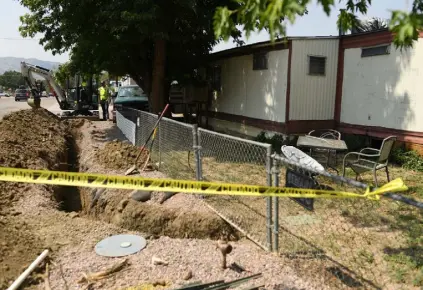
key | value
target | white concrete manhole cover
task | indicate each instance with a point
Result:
(120, 245)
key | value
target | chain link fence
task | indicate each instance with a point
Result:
(340, 243)
(346, 243)
(231, 159)
(125, 122)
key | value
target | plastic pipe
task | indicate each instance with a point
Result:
(15, 285)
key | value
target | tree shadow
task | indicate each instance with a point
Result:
(380, 91)
(256, 94)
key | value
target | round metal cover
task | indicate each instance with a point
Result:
(120, 245)
(298, 156)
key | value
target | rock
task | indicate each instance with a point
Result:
(93, 192)
(159, 283)
(140, 195)
(97, 194)
(188, 275)
(73, 214)
(122, 204)
(101, 190)
(157, 261)
(166, 196)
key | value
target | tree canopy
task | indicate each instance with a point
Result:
(273, 14)
(123, 37)
(11, 80)
(373, 24)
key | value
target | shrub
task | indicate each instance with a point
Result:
(355, 142)
(408, 159)
(277, 140)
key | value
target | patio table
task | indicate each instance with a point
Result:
(322, 143)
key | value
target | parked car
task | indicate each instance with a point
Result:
(131, 97)
(44, 94)
(4, 94)
(22, 94)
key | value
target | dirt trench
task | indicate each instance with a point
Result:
(174, 215)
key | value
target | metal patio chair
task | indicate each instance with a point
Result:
(323, 155)
(370, 159)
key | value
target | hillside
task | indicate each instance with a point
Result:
(13, 63)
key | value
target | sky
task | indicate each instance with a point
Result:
(316, 23)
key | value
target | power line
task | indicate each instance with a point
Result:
(16, 38)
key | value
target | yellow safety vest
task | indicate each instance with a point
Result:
(102, 92)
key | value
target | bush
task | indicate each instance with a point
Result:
(408, 159)
(356, 142)
(276, 141)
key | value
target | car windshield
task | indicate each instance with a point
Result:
(130, 92)
(21, 91)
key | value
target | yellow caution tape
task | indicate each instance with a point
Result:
(185, 186)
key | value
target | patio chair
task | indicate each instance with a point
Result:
(326, 133)
(324, 154)
(370, 159)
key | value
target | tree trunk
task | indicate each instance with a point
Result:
(158, 86)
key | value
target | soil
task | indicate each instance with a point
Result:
(162, 215)
(29, 139)
(120, 155)
(33, 139)
(31, 218)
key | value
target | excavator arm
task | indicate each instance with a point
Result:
(27, 71)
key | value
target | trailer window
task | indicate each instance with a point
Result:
(317, 65)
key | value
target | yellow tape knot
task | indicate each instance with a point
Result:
(396, 185)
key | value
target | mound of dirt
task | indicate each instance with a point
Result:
(120, 155)
(156, 219)
(33, 139)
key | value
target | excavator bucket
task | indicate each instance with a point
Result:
(34, 103)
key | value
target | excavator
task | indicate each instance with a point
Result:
(75, 100)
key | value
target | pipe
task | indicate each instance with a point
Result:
(15, 285)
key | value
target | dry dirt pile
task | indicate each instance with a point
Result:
(119, 155)
(158, 213)
(32, 139)
(28, 139)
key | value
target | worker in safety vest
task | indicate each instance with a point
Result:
(103, 92)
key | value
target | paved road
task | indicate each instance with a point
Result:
(8, 105)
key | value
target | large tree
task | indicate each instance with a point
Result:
(154, 41)
(369, 25)
(12, 80)
(269, 15)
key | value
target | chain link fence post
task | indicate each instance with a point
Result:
(197, 153)
(275, 172)
(269, 199)
(137, 129)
